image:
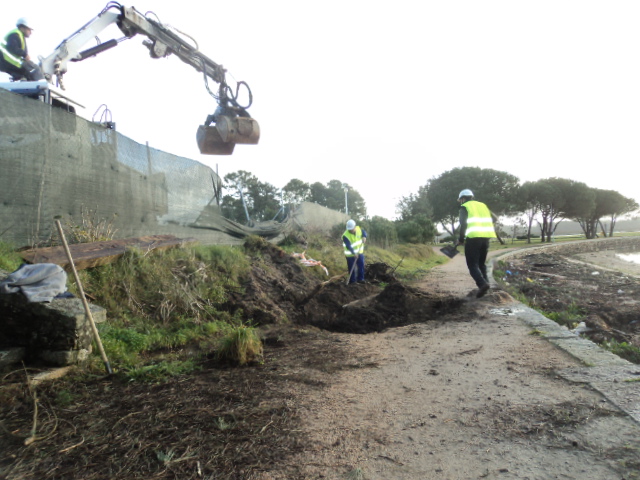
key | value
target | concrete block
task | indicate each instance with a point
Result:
(57, 332)
(64, 357)
(9, 356)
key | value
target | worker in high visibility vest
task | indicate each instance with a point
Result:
(476, 228)
(14, 55)
(353, 240)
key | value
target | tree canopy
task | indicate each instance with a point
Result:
(546, 202)
(495, 188)
(248, 200)
(607, 203)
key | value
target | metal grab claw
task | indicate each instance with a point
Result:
(221, 138)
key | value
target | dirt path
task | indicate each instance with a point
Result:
(474, 395)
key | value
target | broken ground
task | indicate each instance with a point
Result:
(245, 423)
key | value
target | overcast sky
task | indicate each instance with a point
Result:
(380, 95)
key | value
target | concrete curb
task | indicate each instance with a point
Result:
(618, 380)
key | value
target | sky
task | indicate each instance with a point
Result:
(380, 95)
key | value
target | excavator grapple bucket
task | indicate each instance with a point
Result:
(219, 139)
(210, 142)
(243, 130)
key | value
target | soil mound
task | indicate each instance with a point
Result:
(350, 310)
(280, 288)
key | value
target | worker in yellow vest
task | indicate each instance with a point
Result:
(14, 55)
(353, 240)
(476, 228)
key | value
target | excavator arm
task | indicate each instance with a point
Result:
(229, 125)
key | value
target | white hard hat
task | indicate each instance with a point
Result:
(465, 193)
(23, 22)
(351, 224)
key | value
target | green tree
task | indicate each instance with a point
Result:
(620, 205)
(382, 232)
(332, 196)
(295, 192)
(318, 193)
(335, 196)
(415, 224)
(414, 205)
(233, 208)
(528, 205)
(608, 203)
(495, 188)
(560, 198)
(417, 229)
(249, 200)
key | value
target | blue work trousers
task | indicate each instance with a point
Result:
(357, 274)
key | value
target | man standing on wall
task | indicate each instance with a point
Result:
(353, 240)
(14, 55)
(476, 228)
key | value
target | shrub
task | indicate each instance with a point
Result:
(241, 346)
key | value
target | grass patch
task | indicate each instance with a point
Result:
(160, 371)
(623, 350)
(169, 286)
(570, 317)
(166, 309)
(64, 398)
(410, 261)
(9, 258)
(241, 346)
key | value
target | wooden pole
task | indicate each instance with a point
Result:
(87, 310)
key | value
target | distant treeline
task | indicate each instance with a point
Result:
(542, 208)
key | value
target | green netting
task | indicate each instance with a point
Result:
(55, 164)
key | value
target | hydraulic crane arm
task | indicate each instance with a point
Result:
(232, 123)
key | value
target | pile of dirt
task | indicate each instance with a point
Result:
(576, 287)
(396, 305)
(279, 288)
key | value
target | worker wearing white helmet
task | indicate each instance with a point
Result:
(476, 228)
(14, 55)
(353, 240)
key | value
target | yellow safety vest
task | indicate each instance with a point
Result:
(479, 223)
(8, 56)
(356, 242)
